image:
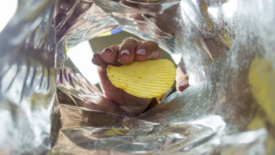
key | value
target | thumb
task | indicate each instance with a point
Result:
(181, 80)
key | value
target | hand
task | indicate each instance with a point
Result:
(129, 51)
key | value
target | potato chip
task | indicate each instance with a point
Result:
(145, 79)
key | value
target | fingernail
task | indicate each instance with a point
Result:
(182, 86)
(125, 52)
(141, 52)
(108, 49)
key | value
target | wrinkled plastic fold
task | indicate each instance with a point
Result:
(227, 46)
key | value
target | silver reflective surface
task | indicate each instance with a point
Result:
(27, 49)
(227, 48)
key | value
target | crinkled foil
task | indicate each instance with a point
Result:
(27, 75)
(47, 107)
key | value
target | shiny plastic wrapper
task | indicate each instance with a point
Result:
(226, 47)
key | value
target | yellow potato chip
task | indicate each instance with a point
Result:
(145, 79)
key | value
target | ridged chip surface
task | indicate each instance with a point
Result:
(145, 79)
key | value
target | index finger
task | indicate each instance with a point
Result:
(147, 50)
